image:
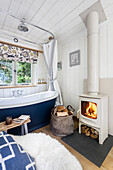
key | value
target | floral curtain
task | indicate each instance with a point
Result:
(13, 53)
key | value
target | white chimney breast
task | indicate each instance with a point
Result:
(93, 54)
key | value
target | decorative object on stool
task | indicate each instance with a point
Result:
(8, 120)
(61, 123)
(15, 123)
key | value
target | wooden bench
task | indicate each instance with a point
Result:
(4, 127)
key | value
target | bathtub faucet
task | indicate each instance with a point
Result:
(17, 93)
(13, 93)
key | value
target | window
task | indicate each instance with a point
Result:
(23, 72)
(5, 72)
(12, 72)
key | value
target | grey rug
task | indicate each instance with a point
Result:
(89, 147)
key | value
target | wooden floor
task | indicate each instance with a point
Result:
(86, 164)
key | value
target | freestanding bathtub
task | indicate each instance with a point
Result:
(38, 106)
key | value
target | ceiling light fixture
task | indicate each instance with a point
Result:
(16, 40)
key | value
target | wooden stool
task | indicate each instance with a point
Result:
(24, 128)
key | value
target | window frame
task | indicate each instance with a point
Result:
(8, 84)
(22, 83)
(14, 76)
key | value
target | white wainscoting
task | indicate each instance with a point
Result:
(25, 91)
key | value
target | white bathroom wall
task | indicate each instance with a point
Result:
(106, 50)
(106, 66)
(41, 68)
(71, 78)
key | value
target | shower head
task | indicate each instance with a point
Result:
(22, 27)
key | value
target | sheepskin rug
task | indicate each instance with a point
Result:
(49, 154)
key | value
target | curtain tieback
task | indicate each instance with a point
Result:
(51, 81)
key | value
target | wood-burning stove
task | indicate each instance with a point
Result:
(93, 106)
(94, 113)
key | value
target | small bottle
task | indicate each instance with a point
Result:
(43, 81)
(39, 81)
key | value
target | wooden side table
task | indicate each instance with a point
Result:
(4, 127)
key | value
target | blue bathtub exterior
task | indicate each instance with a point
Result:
(40, 114)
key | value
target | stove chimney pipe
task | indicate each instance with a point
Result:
(92, 51)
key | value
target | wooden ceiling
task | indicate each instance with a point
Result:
(61, 17)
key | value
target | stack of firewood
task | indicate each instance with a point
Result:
(62, 111)
(88, 131)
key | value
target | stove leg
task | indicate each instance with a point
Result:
(80, 127)
(100, 139)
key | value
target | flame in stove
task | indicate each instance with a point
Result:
(91, 111)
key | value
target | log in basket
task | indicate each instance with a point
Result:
(61, 123)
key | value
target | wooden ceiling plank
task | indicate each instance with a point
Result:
(4, 4)
(2, 18)
(58, 4)
(56, 15)
(40, 15)
(106, 3)
(14, 10)
(20, 11)
(72, 12)
(38, 9)
(6, 15)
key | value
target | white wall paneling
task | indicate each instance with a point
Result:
(71, 78)
(56, 16)
(103, 52)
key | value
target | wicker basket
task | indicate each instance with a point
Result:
(61, 126)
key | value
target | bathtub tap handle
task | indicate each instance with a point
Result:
(18, 92)
(13, 93)
(21, 91)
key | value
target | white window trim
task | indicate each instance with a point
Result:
(14, 76)
(7, 84)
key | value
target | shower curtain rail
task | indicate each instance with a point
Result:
(1, 10)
